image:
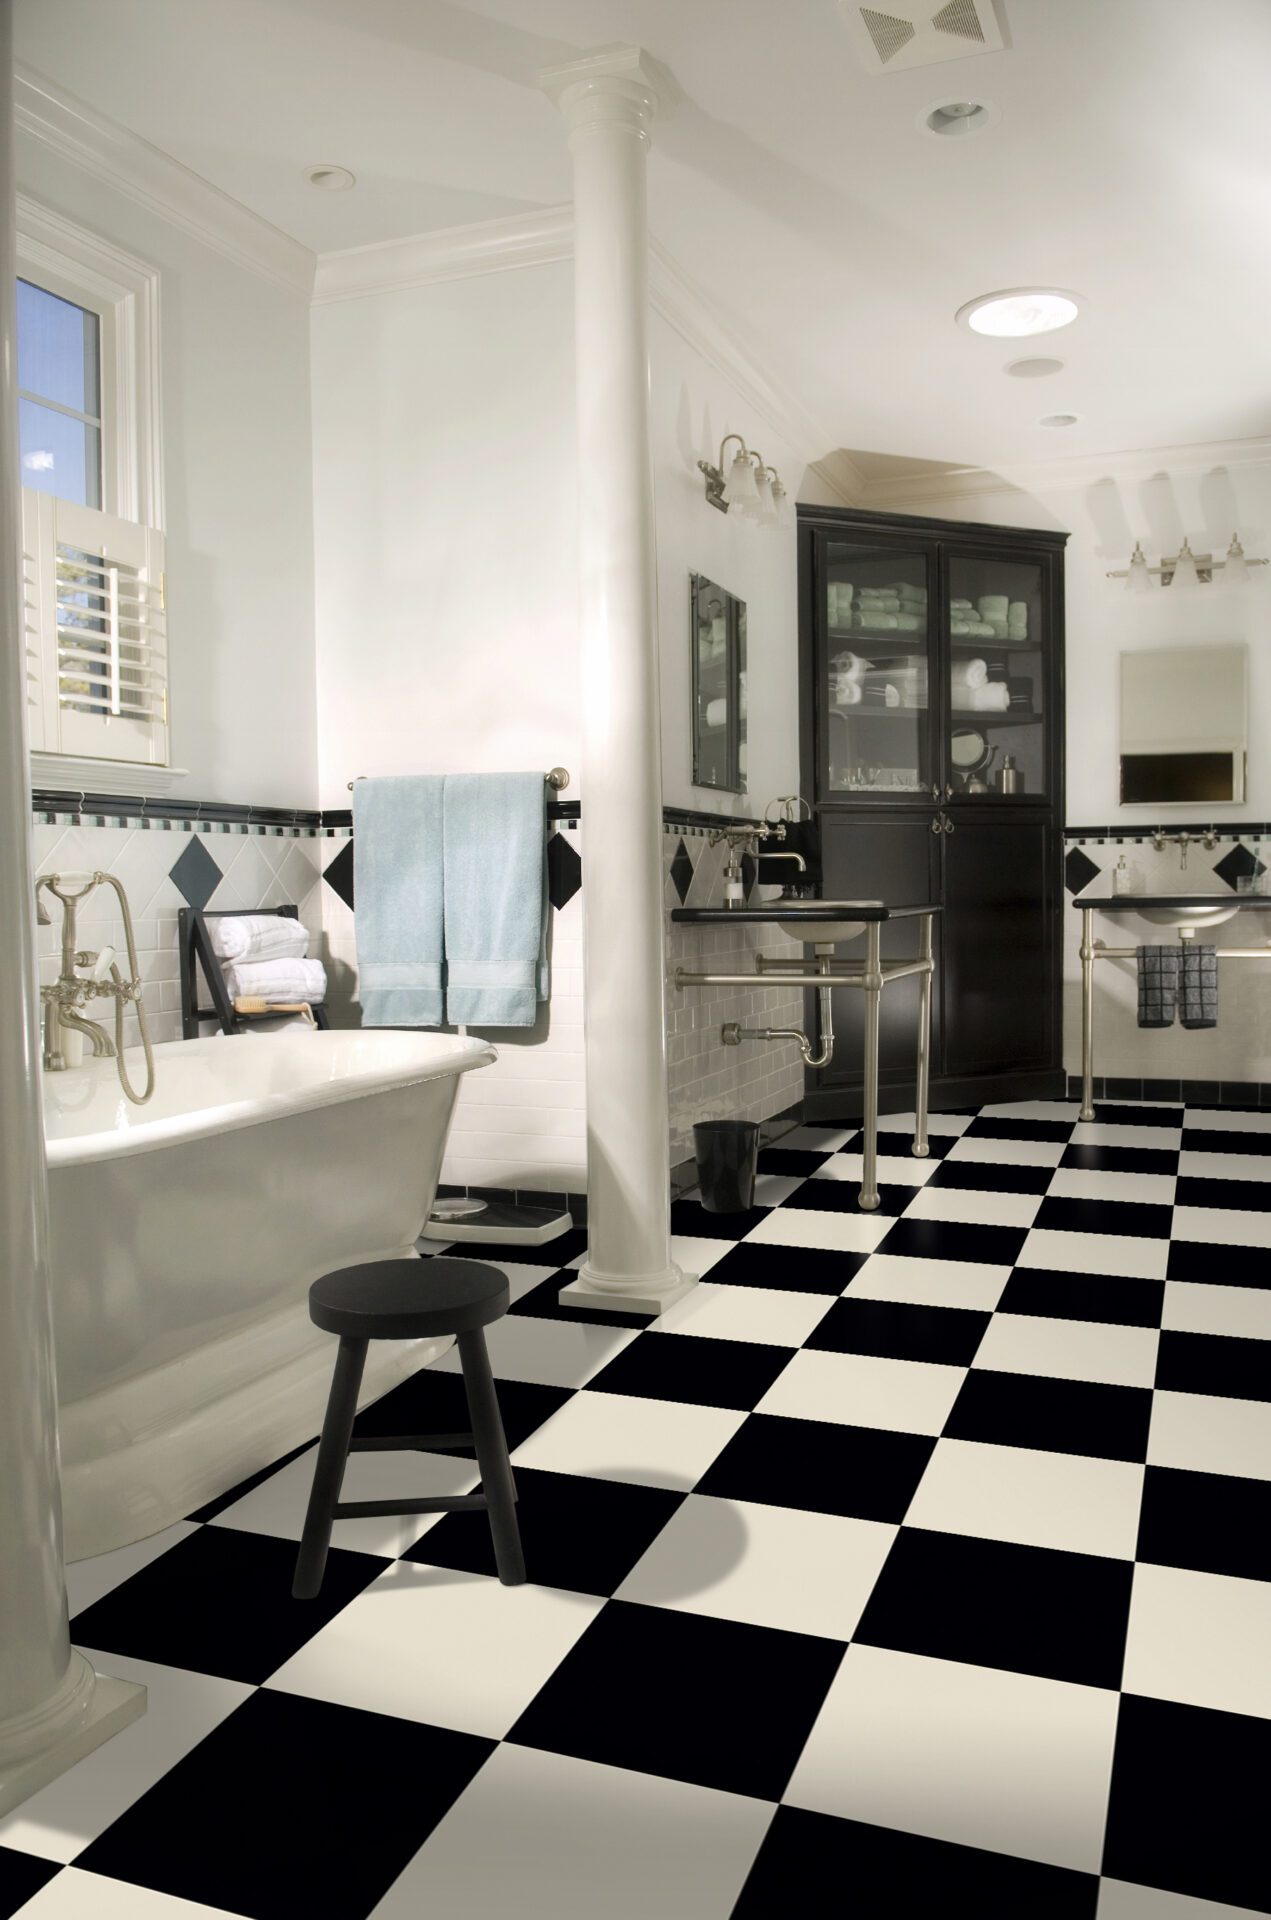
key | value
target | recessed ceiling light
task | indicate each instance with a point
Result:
(1020, 310)
(329, 179)
(1034, 369)
(1058, 420)
(958, 117)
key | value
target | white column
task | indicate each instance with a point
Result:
(609, 100)
(53, 1708)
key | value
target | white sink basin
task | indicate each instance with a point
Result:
(823, 933)
(1179, 917)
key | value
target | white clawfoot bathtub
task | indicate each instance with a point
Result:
(186, 1233)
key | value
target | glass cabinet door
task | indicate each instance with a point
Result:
(873, 665)
(997, 670)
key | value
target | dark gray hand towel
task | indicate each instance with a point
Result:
(1199, 986)
(1158, 985)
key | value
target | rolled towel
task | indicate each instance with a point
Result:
(1017, 613)
(277, 981)
(993, 698)
(850, 663)
(868, 621)
(848, 693)
(839, 603)
(962, 606)
(910, 622)
(882, 603)
(717, 712)
(258, 936)
(993, 605)
(906, 590)
(968, 674)
(959, 627)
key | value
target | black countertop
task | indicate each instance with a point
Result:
(815, 912)
(1131, 902)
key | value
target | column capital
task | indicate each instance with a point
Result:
(615, 86)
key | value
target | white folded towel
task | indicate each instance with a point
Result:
(867, 620)
(258, 936)
(277, 981)
(993, 698)
(878, 603)
(717, 712)
(962, 606)
(910, 622)
(1017, 613)
(968, 674)
(993, 606)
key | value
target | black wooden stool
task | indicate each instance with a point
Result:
(410, 1300)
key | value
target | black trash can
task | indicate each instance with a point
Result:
(727, 1151)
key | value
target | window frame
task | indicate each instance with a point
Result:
(123, 292)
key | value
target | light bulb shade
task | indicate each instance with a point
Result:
(778, 500)
(1235, 571)
(1185, 574)
(1138, 579)
(739, 488)
(766, 512)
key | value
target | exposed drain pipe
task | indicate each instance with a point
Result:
(733, 1033)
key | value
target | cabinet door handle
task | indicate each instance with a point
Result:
(948, 824)
(935, 793)
(948, 793)
(936, 826)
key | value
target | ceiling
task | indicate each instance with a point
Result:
(1130, 159)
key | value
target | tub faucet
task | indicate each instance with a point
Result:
(71, 992)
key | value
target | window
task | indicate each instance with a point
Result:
(59, 395)
(89, 466)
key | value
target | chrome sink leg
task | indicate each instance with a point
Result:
(872, 983)
(1087, 1013)
(921, 1149)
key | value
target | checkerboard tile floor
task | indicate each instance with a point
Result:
(915, 1560)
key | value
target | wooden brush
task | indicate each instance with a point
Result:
(253, 1003)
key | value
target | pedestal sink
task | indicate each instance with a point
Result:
(822, 932)
(1181, 917)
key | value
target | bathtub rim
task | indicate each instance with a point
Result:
(462, 1053)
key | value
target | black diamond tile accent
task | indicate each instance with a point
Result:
(1235, 865)
(564, 870)
(196, 874)
(1079, 870)
(682, 871)
(340, 873)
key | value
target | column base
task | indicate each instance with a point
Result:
(114, 1705)
(640, 1293)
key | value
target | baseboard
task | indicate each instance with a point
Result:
(847, 1103)
(1250, 1094)
(576, 1203)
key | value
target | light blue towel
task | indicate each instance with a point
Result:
(496, 898)
(397, 837)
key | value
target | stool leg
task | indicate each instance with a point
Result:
(328, 1472)
(492, 1457)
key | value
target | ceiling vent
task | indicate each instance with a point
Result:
(922, 33)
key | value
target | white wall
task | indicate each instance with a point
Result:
(693, 406)
(445, 500)
(237, 483)
(1105, 518)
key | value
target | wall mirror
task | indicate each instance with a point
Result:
(718, 629)
(1184, 726)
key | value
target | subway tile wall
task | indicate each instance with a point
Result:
(520, 1124)
(1235, 1053)
(257, 868)
(709, 1081)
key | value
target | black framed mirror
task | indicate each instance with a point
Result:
(717, 628)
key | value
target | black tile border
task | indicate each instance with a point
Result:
(1136, 834)
(1192, 1093)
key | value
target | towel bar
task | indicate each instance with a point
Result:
(557, 778)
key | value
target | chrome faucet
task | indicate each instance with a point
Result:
(1208, 840)
(64, 1001)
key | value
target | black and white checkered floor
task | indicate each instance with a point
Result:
(916, 1562)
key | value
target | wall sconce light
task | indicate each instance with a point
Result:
(1185, 568)
(750, 486)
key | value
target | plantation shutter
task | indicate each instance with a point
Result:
(100, 629)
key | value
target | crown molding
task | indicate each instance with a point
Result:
(546, 237)
(535, 239)
(154, 180)
(1054, 476)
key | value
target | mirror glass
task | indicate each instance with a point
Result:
(1184, 725)
(718, 631)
